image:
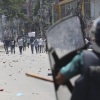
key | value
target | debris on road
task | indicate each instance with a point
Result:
(1, 89)
(19, 94)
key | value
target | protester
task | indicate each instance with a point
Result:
(32, 44)
(28, 42)
(43, 45)
(12, 43)
(6, 45)
(46, 48)
(40, 45)
(24, 44)
(20, 43)
(36, 44)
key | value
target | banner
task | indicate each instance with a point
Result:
(31, 34)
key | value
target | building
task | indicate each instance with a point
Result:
(95, 9)
(64, 8)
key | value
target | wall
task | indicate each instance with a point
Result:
(95, 8)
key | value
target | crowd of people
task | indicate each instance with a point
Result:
(37, 44)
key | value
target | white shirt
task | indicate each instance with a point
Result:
(20, 42)
(40, 41)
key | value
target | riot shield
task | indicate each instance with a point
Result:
(64, 38)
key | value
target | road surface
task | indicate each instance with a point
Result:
(18, 86)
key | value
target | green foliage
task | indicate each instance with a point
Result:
(36, 8)
(11, 8)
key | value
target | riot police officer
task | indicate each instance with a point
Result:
(86, 63)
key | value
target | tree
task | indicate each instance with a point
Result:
(12, 9)
(42, 15)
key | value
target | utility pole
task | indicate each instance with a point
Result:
(51, 8)
(83, 8)
(41, 27)
(1, 27)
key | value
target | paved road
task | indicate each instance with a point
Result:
(14, 81)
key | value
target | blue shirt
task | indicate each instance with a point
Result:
(74, 67)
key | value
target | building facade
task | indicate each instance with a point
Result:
(95, 9)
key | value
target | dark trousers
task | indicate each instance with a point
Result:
(40, 48)
(13, 49)
(24, 48)
(28, 45)
(36, 48)
(20, 49)
(6, 49)
(32, 48)
(46, 48)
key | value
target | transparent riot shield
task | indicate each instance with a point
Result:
(63, 38)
